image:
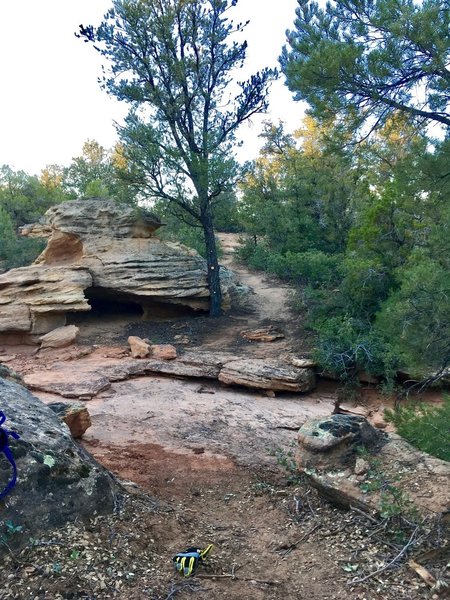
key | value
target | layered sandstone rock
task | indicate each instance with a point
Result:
(98, 249)
(97, 374)
(35, 299)
(265, 374)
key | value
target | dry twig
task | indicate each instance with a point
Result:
(409, 543)
(288, 549)
(178, 587)
(364, 514)
(238, 578)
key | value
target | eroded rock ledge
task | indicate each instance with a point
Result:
(96, 374)
(97, 248)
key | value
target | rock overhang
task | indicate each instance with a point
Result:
(97, 243)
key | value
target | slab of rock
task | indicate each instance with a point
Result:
(192, 364)
(68, 382)
(57, 481)
(267, 374)
(85, 382)
(139, 347)
(59, 337)
(75, 415)
(347, 408)
(163, 351)
(8, 357)
(97, 373)
(265, 334)
(327, 455)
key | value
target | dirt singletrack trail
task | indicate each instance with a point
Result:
(269, 306)
(271, 302)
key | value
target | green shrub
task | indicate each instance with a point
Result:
(259, 258)
(346, 346)
(16, 251)
(313, 267)
(424, 426)
(416, 317)
(366, 283)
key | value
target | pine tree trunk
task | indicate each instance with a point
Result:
(215, 293)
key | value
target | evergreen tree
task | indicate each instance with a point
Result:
(365, 59)
(173, 60)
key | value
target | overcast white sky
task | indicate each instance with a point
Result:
(50, 101)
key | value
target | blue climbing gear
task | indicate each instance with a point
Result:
(187, 562)
(4, 447)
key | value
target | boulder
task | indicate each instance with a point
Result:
(75, 415)
(59, 337)
(99, 249)
(57, 481)
(353, 464)
(163, 351)
(273, 375)
(333, 436)
(139, 348)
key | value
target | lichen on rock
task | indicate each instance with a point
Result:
(58, 481)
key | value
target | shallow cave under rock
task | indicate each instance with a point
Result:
(109, 304)
(114, 316)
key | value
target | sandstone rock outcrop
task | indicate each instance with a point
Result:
(57, 480)
(329, 455)
(35, 299)
(97, 373)
(265, 334)
(98, 249)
